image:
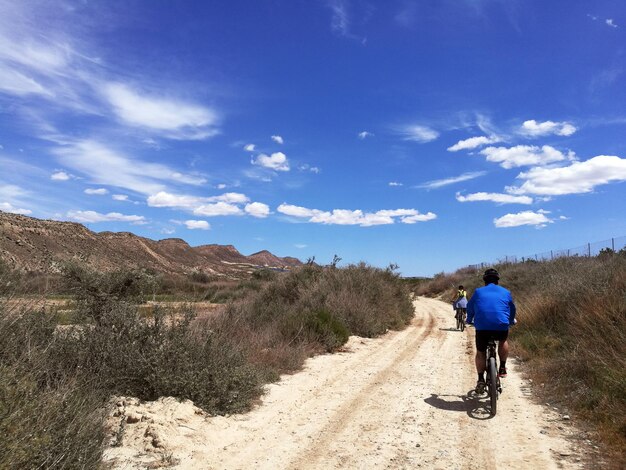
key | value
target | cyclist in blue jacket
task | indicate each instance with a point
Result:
(492, 311)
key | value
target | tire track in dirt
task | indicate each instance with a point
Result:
(355, 404)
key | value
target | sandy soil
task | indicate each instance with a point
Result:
(400, 401)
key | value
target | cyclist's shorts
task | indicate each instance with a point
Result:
(483, 336)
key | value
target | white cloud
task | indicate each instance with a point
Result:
(494, 197)
(365, 134)
(355, 217)
(523, 155)
(523, 218)
(419, 218)
(8, 207)
(97, 192)
(197, 224)
(165, 199)
(234, 198)
(579, 177)
(278, 139)
(609, 22)
(277, 161)
(296, 211)
(175, 119)
(418, 133)
(217, 209)
(307, 167)
(394, 183)
(472, 143)
(300, 245)
(257, 209)
(452, 180)
(249, 147)
(183, 201)
(533, 128)
(93, 217)
(120, 197)
(106, 166)
(60, 176)
(221, 186)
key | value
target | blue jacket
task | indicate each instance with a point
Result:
(491, 308)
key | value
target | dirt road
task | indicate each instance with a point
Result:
(399, 401)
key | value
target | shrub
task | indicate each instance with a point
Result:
(315, 308)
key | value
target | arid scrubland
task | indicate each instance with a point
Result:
(59, 369)
(571, 333)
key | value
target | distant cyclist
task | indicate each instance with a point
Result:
(492, 311)
(461, 298)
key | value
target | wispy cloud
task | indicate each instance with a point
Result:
(525, 155)
(355, 217)
(365, 134)
(417, 133)
(309, 168)
(394, 183)
(96, 191)
(607, 21)
(532, 128)
(341, 20)
(172, 118)
(452, 180)
(407, 14)
(249, 147)
(473, 142)
(94, 217)
(494, 197)
(579, 177)
(538, 219)
(104, 165)
(278, 139)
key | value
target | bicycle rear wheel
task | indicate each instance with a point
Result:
(493, 385)
(462, 321)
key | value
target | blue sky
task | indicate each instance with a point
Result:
(431, 134)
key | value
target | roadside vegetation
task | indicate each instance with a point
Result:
(59, 368)
(571, 333)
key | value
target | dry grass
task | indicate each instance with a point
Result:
(56, 381)
(572, 336)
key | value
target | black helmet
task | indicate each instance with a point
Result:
(491, 275)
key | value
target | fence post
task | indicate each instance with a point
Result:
(613, 244)
(589, 250)
(551, 255)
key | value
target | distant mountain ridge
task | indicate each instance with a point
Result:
(31, 244)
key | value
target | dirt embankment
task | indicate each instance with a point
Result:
(399, 401)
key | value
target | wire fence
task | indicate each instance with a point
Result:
(588, 249)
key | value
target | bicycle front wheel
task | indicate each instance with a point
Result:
(462, 322)
(493, 385)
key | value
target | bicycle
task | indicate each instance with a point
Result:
(494, 387)
(460, 316)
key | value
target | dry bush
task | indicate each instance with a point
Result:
(45, 422)
(316, 309)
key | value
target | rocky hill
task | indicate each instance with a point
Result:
(36, 245)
